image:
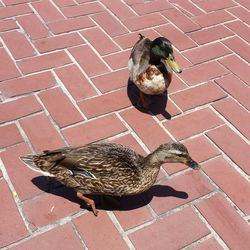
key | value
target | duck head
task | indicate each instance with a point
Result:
(173, 152)
(162, 51)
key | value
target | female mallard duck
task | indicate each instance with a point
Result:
(151, 65)
(106, 168)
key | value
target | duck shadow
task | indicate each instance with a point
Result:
(157, 103)
(111, 203)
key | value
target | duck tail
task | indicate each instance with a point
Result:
(30, 161)
(141, 36)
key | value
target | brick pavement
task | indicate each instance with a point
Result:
(63, 81)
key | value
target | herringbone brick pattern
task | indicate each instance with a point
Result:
(63, 81)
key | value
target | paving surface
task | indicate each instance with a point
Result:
(64, 81)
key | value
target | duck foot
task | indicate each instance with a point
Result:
(88, 201)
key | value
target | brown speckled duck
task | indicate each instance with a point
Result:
(106, 168)
(151, 65)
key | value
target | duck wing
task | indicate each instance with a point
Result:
(97, 160)
(139, 58)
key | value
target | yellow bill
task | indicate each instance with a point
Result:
(172, 64)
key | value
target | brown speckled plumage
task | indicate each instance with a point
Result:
(105, 168)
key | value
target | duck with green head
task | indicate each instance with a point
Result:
(151, 65)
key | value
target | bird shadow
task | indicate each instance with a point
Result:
(111, 203)
(157, 103)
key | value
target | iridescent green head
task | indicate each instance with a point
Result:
(162, 51)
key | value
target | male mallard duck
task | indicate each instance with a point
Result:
(106, 168)
(151, 65)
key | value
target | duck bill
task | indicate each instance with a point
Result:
(173, 64)
(193, 164)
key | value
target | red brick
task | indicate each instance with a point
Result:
(131, 2)
(244, 3)
(18, 44)
(235, 114)
(9, 135)
(106, 233)
(213, 5)
(180, 20)
(104, 104)
(54, 239)
(241, 13)
(12, 227)
(237, 66)
(194, 184)
(179, 39)
(33, 26)
(187, 7)
(64, 3)
(58, 42)
(176, 84)
(102, 43)
(49, 208)
(145, 21)
(230, 181)
(76, 83)
(240, 29)
(210, 34)
(201, 149)
(27, 84)
(111, 81)
(130, 141)
(128, 40)
(82, 9)
(197, 96)
(47, 11)
(48, 61)
(121, 10)
(226, 222)
(6, 25)
(41, 133)
(213, 18)
(86, 58)
(18, 108)
(8, 69)
(210, 244)
(203, 72)
(236, 88)
(132, 218)
(109, 24)
(90, 131)
(149, 7)
(174, 231)
(238, 46)
(228, 141)
(60, 107)
(146, 128)
(118, 60)
(181, 60)
(194, 147)
(17, 170)
(193, 123)
(14, 10)
(206, 53)
(13, 2)
(63, 26)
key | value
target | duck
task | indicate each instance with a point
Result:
(106, 168)
(150, 66)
